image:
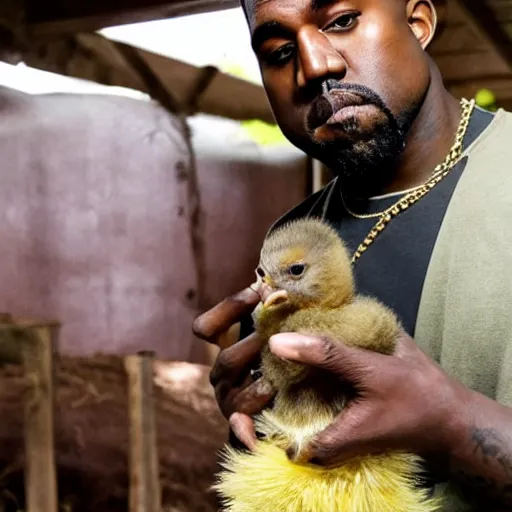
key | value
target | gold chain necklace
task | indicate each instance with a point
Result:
(414, 195)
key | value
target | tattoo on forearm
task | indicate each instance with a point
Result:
(493, 449)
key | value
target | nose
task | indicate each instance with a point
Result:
(317, 57)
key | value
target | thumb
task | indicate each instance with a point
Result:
(349, 363)
(350, 435)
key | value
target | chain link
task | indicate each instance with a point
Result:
(452, 158)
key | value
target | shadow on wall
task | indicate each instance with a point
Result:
(95, 218)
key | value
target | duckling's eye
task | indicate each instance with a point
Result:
(297, 269)
(260, 272)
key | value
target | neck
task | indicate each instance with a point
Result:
(430, 137)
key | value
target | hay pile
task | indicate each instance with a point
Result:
(92, 435)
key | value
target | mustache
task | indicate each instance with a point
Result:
(337, 95)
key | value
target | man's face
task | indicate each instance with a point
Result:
(345, 79)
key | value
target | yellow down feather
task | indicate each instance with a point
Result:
(321, 302)
(267, 481)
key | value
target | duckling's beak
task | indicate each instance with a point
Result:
(273, 297)
(268, 294)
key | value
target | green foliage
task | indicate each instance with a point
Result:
(485, 98)
(259, 131)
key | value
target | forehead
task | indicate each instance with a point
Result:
(256, 10)
(284, 257)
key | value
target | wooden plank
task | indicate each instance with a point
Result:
(471, 67)
(507, 28)
(506, 104)
(67, 16)
(145, 494)
(482, 20)
(94, 57)
(502, 9)
(457, 39)
(500, 86)
(38, 344)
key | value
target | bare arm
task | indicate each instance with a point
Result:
(481, 455)
(407, 402)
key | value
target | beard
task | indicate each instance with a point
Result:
(366, 163)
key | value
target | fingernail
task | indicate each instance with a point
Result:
(237, 425)
(247, 294)
(263, 387)
(288, 345)
(255, 287)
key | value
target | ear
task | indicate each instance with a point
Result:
(422, 18)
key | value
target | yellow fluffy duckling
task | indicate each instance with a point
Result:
(309, 287)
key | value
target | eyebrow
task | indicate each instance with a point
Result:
(273, 29)
(317, 5)
(268, 30)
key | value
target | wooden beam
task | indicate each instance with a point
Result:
(40, 473)
(471, 66)
(501, 87)
(145, 492)
(482, 19)
(69, 16)
(96, 58)
(457, 38)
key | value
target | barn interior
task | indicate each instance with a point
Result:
(125, 216)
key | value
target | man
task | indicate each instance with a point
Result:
(351, 84)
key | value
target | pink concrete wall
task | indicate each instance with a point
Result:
(95, 228)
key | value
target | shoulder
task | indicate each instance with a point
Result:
(505, 116)
(493, 134)
(501, 121)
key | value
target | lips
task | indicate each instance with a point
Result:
(327, 105)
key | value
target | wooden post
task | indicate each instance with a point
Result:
(37, 344)
(144, 467)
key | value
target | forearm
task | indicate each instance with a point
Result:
(481, 453)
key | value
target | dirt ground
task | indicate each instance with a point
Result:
(92, 435)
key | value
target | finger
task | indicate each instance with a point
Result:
(406, 348)
(228, 338)
(243, 428)
(250, 400)
(234, 361)
(335, 357)
(346, 437)
(214, 322)
(254, 398)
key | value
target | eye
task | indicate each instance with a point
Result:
(280, 56)
(297, 269)
(260, 272)
(343, 23)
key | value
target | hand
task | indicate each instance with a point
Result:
(403, 402)
(239, 396)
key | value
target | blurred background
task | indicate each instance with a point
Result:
(140, 170)
(141, 163)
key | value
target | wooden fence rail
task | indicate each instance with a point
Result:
(35, 345)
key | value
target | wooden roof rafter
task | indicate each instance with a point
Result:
(474, 49)
(191, 89)
(481, 19)
(54, 17)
